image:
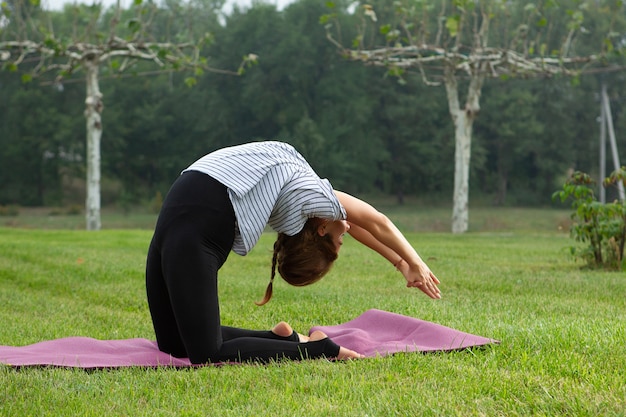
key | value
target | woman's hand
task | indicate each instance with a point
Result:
(420, 276)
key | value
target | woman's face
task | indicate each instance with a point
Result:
(336, 229)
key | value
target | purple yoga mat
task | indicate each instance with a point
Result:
(381, 333)
(373, 333)
(85, 352)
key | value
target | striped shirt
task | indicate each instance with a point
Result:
(269, 183)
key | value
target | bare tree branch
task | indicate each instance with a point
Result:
(161, 53)
(499, 61)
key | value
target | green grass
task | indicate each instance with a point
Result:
(562, 328)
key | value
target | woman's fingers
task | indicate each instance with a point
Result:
(428, 286)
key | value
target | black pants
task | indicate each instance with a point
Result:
(192, 239)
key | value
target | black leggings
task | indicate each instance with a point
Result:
(192, 239)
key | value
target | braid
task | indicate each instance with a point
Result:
(270, 286)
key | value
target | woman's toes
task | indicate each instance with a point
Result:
(348, 354)
(317, 335)
(282, 329)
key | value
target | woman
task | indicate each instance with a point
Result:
(223, 202)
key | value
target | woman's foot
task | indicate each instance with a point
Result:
(283, 329)
(348, 354)
(317, 335)
(343, 352)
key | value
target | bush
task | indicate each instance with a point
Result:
(600, 225)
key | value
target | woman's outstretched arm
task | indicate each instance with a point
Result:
(376, 231)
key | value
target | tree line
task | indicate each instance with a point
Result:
(357, 125)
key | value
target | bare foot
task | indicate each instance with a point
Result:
(343, 352)
(303, 338)
(317, 335)
(283, 329)
(348, 354)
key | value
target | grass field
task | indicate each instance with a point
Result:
(410, 217)
(562, 328)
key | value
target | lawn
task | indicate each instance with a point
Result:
(510, 278)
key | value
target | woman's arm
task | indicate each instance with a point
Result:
(374, 229)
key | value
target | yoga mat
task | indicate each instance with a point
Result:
(89, 353)
(381, 333)
(373, 333)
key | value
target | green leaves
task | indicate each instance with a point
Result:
(601, 226)
(389, 33)
(452, 24)
(325, 19)
(576, 21)
(398, 72)
(134, 25)
(10, 66)
(6, 10)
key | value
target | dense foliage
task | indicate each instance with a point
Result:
(600, 226)
(361, 129)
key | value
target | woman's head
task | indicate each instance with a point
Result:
(306, 257)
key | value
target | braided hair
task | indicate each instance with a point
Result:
(301, 259)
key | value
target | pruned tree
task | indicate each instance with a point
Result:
(462, 43)
(115, 40)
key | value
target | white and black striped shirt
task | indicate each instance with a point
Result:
(269, 183)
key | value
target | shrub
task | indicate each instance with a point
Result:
(602, 226)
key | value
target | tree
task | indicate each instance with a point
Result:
(115, 41)
(461, 43)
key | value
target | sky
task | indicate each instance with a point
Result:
(58, 4)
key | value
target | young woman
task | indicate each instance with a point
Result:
(223, 202)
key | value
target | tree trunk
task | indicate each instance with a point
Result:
(463, 122)
(462, 151)
(93, 111)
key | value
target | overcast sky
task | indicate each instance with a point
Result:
(58, 4)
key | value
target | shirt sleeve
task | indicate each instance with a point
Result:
(303, 198)
(325, 204)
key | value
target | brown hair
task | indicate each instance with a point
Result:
(301, 259)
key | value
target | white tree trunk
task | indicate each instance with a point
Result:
(93, 111)
(463, 119)
(462, 150)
